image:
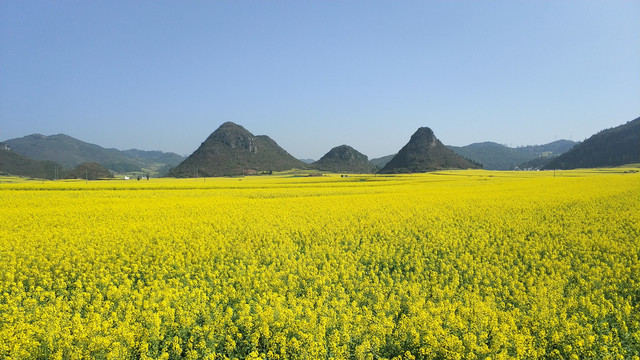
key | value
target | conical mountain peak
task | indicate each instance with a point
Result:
(342, 152)
(233, 136)
(424, 152)
(233, 150)
(344, 159)
(424, 134)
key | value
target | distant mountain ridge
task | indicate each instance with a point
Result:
(12, 163)
(70, 152)
(610, 147)
(382, 161)
(233, 150)
(345, 159)
(494, 156)
(154, 155)
(63, 149)
(424, 152)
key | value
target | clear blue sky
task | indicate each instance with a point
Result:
(163, 75)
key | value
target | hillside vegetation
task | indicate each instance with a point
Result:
(70, 152)
(233, 150)
(345, 159)
(424, 152)
(89, 171)
(495, 156)
(611, 147)
(381, 161)
(12, 163)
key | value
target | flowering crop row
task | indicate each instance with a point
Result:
(448, 265)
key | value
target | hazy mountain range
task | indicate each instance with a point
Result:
(233, 150)
(494, 156)
(69, 152)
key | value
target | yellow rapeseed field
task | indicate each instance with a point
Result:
(446, 265)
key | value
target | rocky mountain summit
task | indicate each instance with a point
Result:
(345, 159)
(424, 152)
(233, 150)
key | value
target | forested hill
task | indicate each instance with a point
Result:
(71, 152)
(12, 163)
(424, 152)
(494, 156)
(344, 159)
(233, 150)
(611, 147)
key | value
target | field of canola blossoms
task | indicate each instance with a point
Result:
(447, 265)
